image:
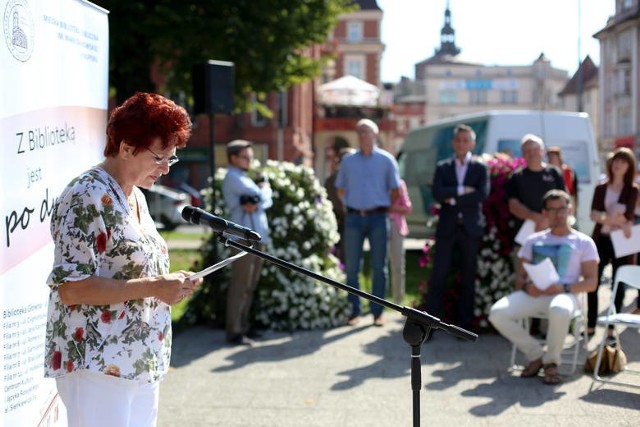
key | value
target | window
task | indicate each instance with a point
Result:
(257, 119)
(354, 32)
(623, 79)
(624, 121)
(625, 43)
(509, 96)
(478, 96)
(355, 66)
(510, 147)
(447, 96)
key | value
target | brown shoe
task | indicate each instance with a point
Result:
(353, 321)
(551, 376)
(532, 369)
(378, 321)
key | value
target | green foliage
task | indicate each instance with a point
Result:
(303, 232)
(265, 39)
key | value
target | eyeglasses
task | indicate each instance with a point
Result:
(248, 158)
(171, 160)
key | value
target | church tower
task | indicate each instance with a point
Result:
(447, 36)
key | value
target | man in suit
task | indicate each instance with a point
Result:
(460, 185)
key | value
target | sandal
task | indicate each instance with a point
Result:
(532, 369)
(551, 376)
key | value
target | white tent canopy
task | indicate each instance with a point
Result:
(348, 90)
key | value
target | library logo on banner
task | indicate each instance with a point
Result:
(18, 29)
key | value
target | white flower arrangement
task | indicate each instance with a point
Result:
(303, 230)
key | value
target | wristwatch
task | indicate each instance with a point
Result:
(567, 288)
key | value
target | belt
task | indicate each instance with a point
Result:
(365, 212)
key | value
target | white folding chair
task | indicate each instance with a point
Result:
(571, 349)
(626, 275)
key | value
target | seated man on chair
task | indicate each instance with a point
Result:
(575, 258)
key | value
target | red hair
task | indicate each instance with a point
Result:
(143, 118)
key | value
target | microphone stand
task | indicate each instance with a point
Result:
(417, 326)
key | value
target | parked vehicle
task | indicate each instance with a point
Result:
(165, 205)
(499, 131)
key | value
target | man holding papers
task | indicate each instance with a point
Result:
(574, 258)
(525, 189)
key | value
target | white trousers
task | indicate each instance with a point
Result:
(93, 399)
(507, 314)
(397, 259)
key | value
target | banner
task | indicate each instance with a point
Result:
(53, 111)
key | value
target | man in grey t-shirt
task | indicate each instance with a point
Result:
(575, 258)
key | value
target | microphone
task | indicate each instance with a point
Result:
(195, 215)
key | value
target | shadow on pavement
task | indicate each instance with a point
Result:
(289, 346)
(620, 398)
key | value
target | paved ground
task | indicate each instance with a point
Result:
(361, 377)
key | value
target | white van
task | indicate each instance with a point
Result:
(499, 131)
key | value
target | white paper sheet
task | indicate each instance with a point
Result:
(527, 228)
(217, 266)
(623, 246)
(542, 274)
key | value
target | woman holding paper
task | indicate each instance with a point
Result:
(612, 208)
(108, 335)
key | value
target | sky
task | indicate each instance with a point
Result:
(492, 32)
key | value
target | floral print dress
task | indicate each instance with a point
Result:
(96, 233)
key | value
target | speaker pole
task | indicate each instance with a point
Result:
(212, 159)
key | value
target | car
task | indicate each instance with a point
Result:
(165, 205)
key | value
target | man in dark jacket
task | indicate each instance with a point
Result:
(460, 185)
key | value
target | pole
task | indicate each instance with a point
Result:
(212, 159)
(579, 82)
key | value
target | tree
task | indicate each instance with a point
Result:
(263, 38)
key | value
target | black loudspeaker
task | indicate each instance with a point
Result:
(213, 87)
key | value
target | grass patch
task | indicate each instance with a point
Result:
(182, 235)
(182, 259)
(414, 275)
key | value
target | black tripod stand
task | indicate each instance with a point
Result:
(416, 327)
